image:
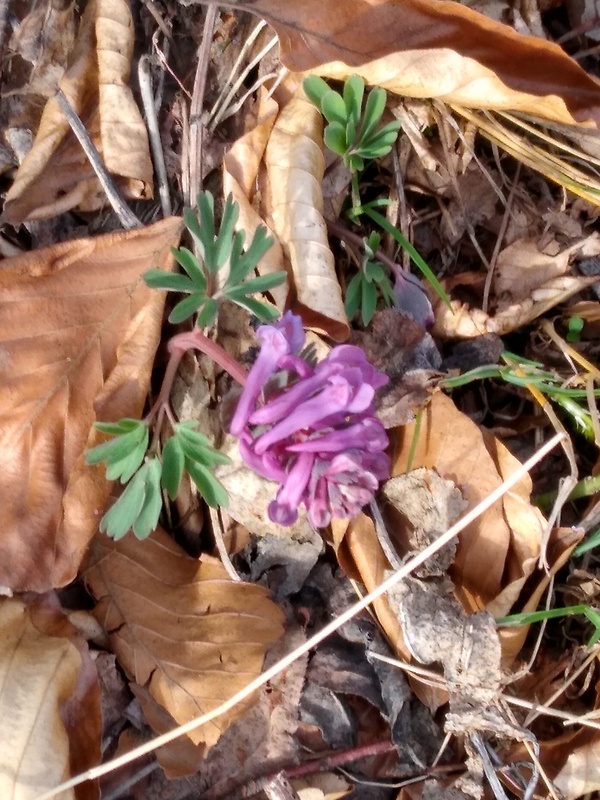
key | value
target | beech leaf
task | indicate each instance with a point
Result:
(443, 50)
(78, 334)
(49, 700)
(181, 627)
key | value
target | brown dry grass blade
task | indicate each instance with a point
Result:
(55, 176)
(180, 627)
(49, 701)
(78, 334)
(456, 52)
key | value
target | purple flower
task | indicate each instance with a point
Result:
(317, 434)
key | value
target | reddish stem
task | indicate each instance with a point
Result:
(178, 346)
(196, 339)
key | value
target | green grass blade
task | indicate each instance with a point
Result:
(412, 252)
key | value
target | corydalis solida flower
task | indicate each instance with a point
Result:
(312, 429)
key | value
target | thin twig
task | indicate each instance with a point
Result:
(196, 127)
(145, 81)
(125, 214)
(393, 580)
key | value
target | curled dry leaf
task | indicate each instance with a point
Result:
(240, 171)
(294, 200)
(496, 554)
(78, 334)
(179, 627)
(528, 282)
(423, 49)
(55, 176)
(49, 696)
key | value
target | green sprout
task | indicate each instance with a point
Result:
(369, 282)
(352, 133)
(531, 374)
(574, 328)
(222, 271)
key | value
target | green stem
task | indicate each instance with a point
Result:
(356, 204)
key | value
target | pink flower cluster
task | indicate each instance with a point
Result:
(313, 430)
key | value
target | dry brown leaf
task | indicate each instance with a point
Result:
(423, 49)
(49, 699)
(495, 555)
(580, 774)
(240, 170)
(494, 550)
(464, 320)
(55, 176)
(78, 334)
(524, 267)
(181, 628)
(294, 200)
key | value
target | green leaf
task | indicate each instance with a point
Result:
(117, 449)
(185, 308)
(374, 271)
(211, 489)
(196, 447)
(208, 315)
(173, 466)
(315, 89)
(206, 208)
(351, 132)
(333, 108)
(261, 284)
(389, 130)
(260, 310)
(123, 470)
(191, 265)
(369, 302)
(354, 89)
(224, 240)
(374, 108)
(353, 295)
(246, 262)
(157, 279)
(334, 137)
(124, 425)
(412, 252)
(147, 519)
(120, 518)
(387, 290)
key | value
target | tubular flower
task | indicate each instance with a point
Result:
(318, 436)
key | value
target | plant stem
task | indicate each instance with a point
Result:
(199, 341)
(355, 191)
(349, 236)
(178, 346)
